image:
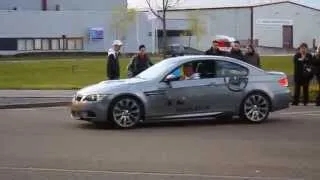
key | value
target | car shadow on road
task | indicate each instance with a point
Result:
(189, 124)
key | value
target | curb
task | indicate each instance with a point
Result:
(34, 105)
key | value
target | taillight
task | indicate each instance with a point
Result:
(283, 82)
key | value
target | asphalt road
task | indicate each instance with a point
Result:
(38, 144)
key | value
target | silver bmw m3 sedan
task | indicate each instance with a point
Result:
(185, 88)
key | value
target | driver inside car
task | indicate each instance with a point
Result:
(189, 73)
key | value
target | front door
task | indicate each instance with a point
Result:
(287, 35)
(190, 96)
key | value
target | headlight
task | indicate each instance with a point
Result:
(94, 97)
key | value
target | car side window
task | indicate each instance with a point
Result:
(206, 69)
(200, 69)
(225, 68)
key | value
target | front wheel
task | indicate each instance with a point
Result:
(255, 108)
(126, 112)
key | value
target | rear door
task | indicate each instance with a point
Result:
(230, 83)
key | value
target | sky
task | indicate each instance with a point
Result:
(138, 3)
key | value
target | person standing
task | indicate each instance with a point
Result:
(302, 74)
(236, 51)
(316, 72)
(252, 57)
(113, 67)
(139, 63)
(214, 49)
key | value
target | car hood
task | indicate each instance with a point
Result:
(109, 86)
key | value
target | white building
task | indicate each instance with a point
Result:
(65, 25)
(281, 24)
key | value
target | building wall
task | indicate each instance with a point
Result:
(233, 22)
(306, 24)
(73, 24)
(68, 5)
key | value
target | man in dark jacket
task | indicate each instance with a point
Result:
(113, 67)
(236, 51)
(139, 63)
(302, 74)
(214, 50)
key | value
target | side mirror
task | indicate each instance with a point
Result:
(170, 78)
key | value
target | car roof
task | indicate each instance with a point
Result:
(181, 59)
(186, 58)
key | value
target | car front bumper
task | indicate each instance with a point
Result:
(93, 111)
(281, 100)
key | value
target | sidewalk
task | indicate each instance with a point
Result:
(13, 99)
(37, 93)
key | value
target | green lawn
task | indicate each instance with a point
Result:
(278, 63)
(75, 72)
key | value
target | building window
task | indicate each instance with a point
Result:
(48, 44)
(79, 44)
(8, 44)
(45, 44)
(55, 44)
(75, 44)
(22, 45)
(37, 44)
(29, 44)
(71, 44)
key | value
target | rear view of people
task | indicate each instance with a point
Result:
(302, 74)
(316, 72)
(252, 57)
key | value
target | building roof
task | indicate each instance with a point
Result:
(206, 6)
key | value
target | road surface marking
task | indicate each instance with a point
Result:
(145, 173)
(300, 112)
(312, 114)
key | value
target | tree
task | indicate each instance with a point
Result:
(160, 11)
(196, 26)
(122, 18)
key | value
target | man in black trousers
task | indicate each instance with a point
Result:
(302, 74)
(113, 67)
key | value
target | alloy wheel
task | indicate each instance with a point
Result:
(126, 113)
(256, 108)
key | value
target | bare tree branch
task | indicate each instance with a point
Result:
(153, 10)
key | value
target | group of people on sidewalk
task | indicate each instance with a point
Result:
(306, 66)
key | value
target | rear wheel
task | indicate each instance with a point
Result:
(255, 108)
(126, 112)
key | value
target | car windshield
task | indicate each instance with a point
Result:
(157, 70)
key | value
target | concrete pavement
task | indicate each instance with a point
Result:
(37, 93)
(34, 98)
(45, 143)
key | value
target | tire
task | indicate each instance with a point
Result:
(125, 112)
(255, 108)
